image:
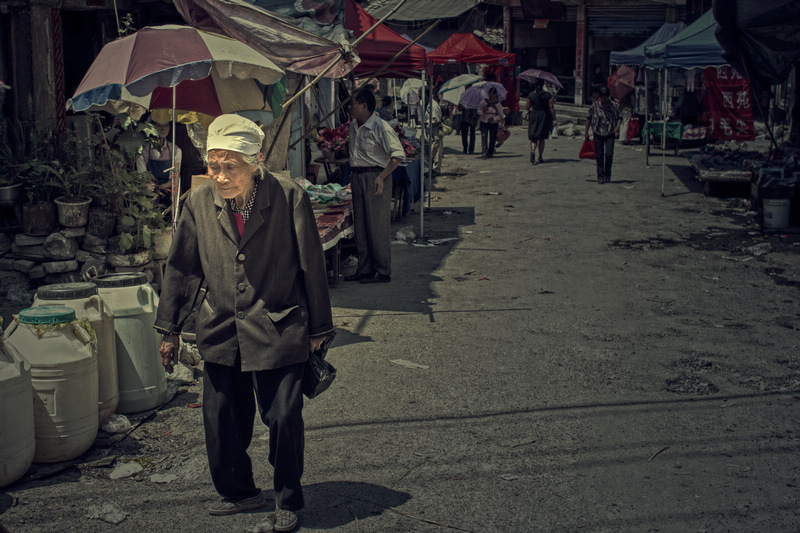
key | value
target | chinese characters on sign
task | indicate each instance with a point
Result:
(729, 103)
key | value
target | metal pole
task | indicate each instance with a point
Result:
(664, 136)
(430, 136)
(422, 165)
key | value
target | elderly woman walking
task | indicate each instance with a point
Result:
(247, 256)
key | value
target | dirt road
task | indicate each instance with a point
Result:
(583, 357)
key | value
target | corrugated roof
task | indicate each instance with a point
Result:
(420, 9)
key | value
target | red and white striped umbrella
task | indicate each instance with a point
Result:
(213, 74)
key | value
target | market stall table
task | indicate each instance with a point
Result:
(405, 185)
(334, 223)
(328, 164)
(655, 129)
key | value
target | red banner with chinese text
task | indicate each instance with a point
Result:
(729, 104)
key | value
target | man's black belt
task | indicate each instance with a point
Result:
(366, 169)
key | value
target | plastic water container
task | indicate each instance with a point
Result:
(63, 362)
(82, 297)
(134, 302)
(776, 212)
(17, 440)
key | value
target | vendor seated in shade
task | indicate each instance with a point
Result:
(157, 159)
(385, 112)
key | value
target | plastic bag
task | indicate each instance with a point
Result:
(587, 150)
(502, 136)
(319, 374)
(634, 129)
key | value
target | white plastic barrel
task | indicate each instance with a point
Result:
(63, 363)
(16, 415)
(776, 212)
(82, 297)
(134, 302)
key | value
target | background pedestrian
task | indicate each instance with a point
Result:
(490, 115)
(541, 116)
(604, 120)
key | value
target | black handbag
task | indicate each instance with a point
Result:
(318, 373)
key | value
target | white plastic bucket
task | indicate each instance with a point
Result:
(142, 384)
(63, 363)
(776, 212)
(82, 297)
(17, 441)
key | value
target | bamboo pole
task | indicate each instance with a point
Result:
(377, 74)
(352, 46)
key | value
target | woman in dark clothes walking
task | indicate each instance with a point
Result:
(541, 116)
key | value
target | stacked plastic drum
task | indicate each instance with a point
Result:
(16, 415)
(63, 362)
(142, 383)
(83, 298)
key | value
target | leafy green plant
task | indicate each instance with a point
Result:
(18, 145)
(41, 179)
(140, 213)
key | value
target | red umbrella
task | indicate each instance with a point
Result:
(621, 82)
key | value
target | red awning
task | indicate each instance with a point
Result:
(467, 48)
(380, 46)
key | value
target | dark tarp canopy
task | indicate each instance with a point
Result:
(760, 39)
(421, 9)
(635, 56)
(275, 36)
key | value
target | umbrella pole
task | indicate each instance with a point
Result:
(430, 136)
(176, 198)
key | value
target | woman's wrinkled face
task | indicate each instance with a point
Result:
(231, 174)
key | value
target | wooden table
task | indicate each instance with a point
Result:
(334, 223)
(328, 165)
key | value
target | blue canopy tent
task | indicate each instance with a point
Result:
(694, 47)
(635, 56)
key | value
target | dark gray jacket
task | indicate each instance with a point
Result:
(266, 292)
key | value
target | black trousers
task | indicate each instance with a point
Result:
(604, 154)
(488, 137)
(230, 397)
(468, 134)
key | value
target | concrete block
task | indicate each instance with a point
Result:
(20, 239)
(24, 265)
(94, 249)
(82, 256)
(73, 233)
(33, 252)
(91, 240)
(37, 273)
(59, 247)
(58, 267)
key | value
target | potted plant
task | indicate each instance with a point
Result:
(139, 220)
(39, 212)
(73, 205)
(17, 147)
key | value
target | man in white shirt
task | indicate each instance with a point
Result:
(375, 151)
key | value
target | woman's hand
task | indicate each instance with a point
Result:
(315, 344)
(169, 350)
